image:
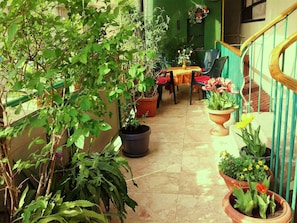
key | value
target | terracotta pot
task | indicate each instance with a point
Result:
(219, 117)
(283, 213)
(231, 182)
(147, 106)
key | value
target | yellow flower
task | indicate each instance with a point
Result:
(224, 154)
(266, 167)
(247, 118)
(250, 167)
(241, 176)
(245, 169)
(257, 167)
(260, 162)
(241, 125)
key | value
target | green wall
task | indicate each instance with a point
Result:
(177, 36)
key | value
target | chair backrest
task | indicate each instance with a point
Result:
(217, 67)
(209, 57)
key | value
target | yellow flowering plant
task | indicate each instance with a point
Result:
(243, 168)
(251, 136)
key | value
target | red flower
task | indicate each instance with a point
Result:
(261, 188)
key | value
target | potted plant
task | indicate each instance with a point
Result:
(256, 204)
(150, 32)
(251, 138)
(220, 102)
(237, 171)
(85, 47)
(135, 136)
(99, 178)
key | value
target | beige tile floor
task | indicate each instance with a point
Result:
(178, 181)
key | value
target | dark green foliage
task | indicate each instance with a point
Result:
(98, 178)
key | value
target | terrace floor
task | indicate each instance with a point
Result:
(178, 181)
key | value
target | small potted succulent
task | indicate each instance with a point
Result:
(256, 204)
(237, 171)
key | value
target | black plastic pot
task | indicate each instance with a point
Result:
(266, 155)
(136, 143)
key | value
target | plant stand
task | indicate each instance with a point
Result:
(219, 117)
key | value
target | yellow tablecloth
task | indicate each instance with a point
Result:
(183, 76)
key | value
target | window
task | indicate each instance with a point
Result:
(253, 10)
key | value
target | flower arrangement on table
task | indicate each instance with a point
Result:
(255, 199)
(250, 136)
(184, 56)
(220, 94)
(243, 168)
(197, 13)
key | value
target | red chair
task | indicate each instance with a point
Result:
(165, 79)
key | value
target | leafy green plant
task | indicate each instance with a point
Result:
(255, 199)
(98, 178)
(244, 168)
(52, 208)
(44, 55)
(250, 136)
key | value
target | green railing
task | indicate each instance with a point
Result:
(284, 135)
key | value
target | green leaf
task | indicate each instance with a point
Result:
(58, 99)
(52, 218)
(23, 196)
(47, 53)
(85, 104)
(105, 127)
(85, 118)
(83, 58)
(80, 141)
(12, 30)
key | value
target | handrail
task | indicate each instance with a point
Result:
(278, 19)
(233, 49)
(274, 67)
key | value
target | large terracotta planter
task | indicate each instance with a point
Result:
(219, 117)
(283, 212)
(231, 182)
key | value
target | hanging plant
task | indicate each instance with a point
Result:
(198, 13)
